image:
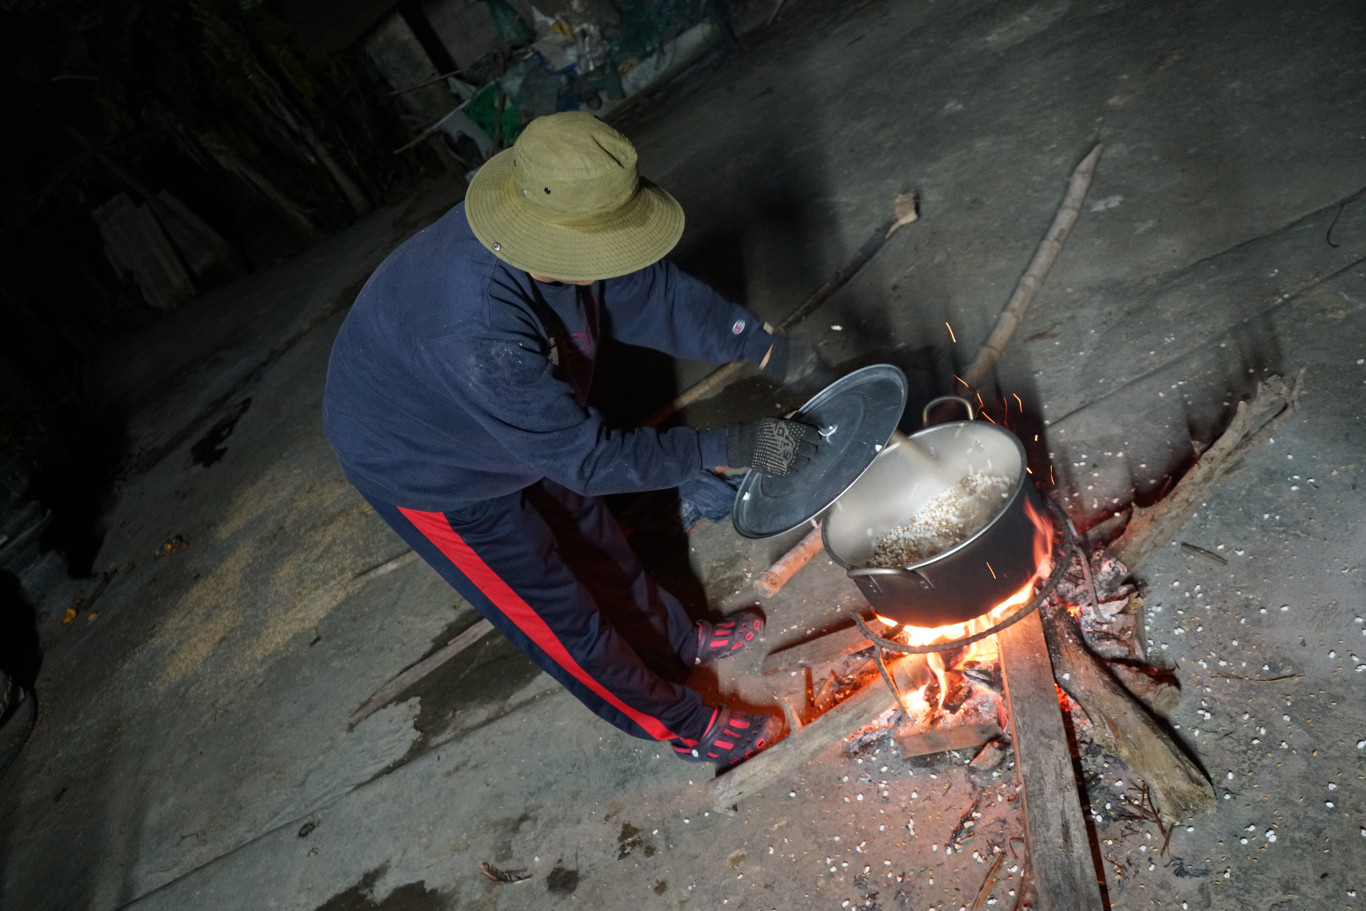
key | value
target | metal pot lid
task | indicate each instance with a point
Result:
(857, 416)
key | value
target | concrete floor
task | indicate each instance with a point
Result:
(192, 747)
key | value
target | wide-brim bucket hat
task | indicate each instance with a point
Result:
(567, 202)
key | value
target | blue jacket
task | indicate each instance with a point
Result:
(457, 378)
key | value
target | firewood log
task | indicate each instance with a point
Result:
(1154, 526)
(1179, 788)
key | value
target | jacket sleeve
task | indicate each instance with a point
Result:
(501, 376)
(664, 308)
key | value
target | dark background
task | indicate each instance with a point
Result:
(266, 119)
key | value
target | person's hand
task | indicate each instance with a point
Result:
(775, 446)
(706, 495)
(796, 362)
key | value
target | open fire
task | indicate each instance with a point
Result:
(952, 698)
(982, 650)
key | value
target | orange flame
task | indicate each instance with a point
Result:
(985, 648)
(936, 662)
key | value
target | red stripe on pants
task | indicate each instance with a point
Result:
(436, 528)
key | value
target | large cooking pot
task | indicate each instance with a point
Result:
(964, 581)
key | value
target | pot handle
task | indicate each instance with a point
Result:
(925, 414)
(890, 571)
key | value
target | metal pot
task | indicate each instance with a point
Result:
(970, 578)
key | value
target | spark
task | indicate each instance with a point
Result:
(993, 572)
(1018, 402)
(951, 335)
(961, 380)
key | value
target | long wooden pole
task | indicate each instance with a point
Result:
(1030, 282)
(720, 377)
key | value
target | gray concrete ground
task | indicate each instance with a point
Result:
(192, 747)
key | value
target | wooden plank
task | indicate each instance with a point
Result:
(801, 746)
(1065, 877)
(975, 724)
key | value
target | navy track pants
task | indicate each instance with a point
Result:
(552, 572)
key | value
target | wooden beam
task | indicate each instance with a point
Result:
(1153, 689)
(800, 747)
(1060, 859)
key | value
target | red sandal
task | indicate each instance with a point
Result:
(732, 737)
(717, 640)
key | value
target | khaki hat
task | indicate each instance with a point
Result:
(566, 202)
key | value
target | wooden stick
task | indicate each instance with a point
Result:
(800, 747)
(1178, 787)
(383, 569)
(724, 375)
(105, 578)
(988, 884)
(421, 669)
(819, 651)
(1030, 282)
(1153, 527)
(715, 380)
(771, 580)
(861, 256)
(1055, 829)
(426, 82)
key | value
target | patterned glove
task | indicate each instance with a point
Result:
(775, 446)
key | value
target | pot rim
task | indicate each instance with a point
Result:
(1015, 493)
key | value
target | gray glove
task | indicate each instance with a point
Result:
(775, 446)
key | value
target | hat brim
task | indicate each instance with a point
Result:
(641, 232)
